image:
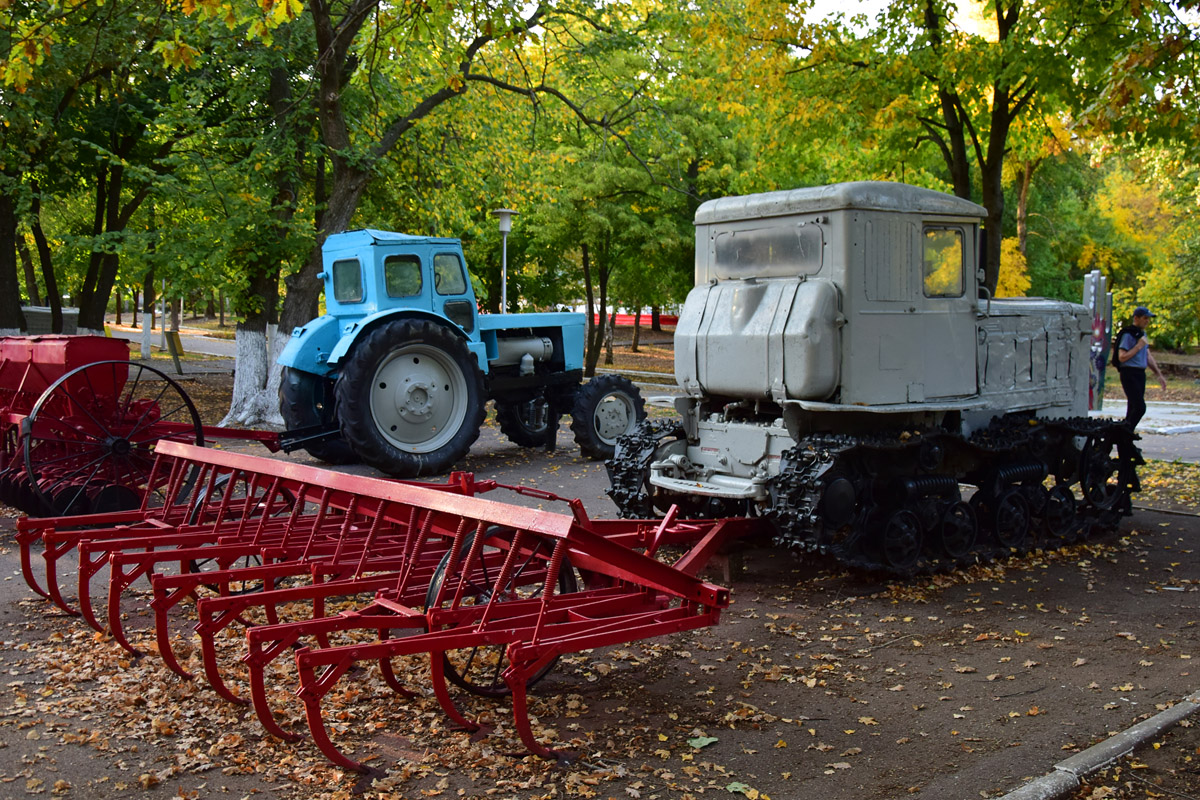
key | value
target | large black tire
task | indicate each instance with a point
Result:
(411, 398)
(606, 408)
(305, 400)
(527, 422)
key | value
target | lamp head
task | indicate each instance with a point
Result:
(504, 217)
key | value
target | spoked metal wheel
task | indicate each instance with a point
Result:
(901, 543)
(1059, 517)
(1101, 479)
(958, 530)
(480, 670)
(89, 440)
(1010, 519)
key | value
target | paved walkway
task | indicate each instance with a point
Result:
(1161, 418)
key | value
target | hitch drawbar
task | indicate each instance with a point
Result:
(492, 593)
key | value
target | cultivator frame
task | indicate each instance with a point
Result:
(492, 593)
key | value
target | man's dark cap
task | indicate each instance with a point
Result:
(1142, 311)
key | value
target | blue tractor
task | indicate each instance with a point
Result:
(398, 371)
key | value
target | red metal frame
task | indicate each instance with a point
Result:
(29, 369)
(434, 571)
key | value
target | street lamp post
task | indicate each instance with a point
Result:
(504, 217)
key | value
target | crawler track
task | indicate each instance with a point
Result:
(895, 503)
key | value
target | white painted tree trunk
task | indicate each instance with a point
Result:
(89, 332)
(10, 331)
(255, 381)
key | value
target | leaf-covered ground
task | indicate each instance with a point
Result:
(818, 682)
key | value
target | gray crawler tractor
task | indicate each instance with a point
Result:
(844, 376)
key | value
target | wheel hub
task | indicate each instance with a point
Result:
(416, 399)
(612, 418)
(119, 446)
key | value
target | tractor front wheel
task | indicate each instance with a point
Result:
(411, 398)
(606, 408)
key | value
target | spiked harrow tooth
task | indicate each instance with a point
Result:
(345, 571)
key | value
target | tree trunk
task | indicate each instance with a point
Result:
(53, 298)
(31, 285)
(150, 304)
(656, 319)
(595, 329)
(637, 329)
(12, 320)
(255, 402)
(117, 295)
(221, 309)
(1027, 170)
(608, 339)
(210, 307)
(148, 301)
(256, 385)
(303, 288)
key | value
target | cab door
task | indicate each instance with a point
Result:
(946, 309)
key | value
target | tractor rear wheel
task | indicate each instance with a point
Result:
(305, 400)
(411, 398)
(606, 408)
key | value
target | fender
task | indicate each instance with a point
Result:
(356, 329)
(310, 345)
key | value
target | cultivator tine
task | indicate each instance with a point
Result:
(486, 591)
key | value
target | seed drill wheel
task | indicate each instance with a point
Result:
(606, 408)
(305, 400)
(411, 398)
(527, 422)
(480, 670)
(89, 440)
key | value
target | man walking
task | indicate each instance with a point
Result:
(1133, 357)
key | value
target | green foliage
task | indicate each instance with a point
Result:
(605, 126)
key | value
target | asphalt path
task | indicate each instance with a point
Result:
(192, 343)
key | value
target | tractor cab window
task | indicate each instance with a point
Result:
(448, 274)
(347, 281)
(943, 262)
(776, 249)
(402, 275)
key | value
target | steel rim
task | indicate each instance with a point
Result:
(1012, 519)
(959, 530)
(613, 417)
(1060, 512)
(902, 539)
(1102, 479)
(418, 398)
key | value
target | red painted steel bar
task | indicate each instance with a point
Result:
(490, 592)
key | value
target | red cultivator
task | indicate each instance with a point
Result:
(79, 424)
(492, 593)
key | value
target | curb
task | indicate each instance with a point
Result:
(1067, 775)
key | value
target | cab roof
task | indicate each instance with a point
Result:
(865, 195)
(366, 237)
